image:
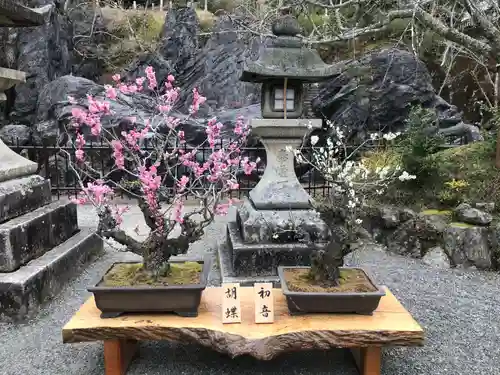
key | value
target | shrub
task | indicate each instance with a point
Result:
(420, 141)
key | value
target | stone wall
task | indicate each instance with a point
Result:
(464, 237)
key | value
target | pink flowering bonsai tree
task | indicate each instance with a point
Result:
(209, 182)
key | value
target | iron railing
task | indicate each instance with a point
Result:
(54, 164)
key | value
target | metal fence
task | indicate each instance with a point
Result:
(54, 164)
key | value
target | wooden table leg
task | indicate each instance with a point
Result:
(117, 356)
(368, 360)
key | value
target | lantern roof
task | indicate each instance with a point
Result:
(13, 14)
(285, 56)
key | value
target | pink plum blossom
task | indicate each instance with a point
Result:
(118, 154)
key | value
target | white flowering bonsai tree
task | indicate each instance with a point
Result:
(352, 182)
(171, 228)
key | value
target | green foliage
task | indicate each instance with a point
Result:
(134, 32)
(227, 5)
(418, 143)
(453, 191)
(474, 164)
(207, 20)
(380, 158)
(307, 22)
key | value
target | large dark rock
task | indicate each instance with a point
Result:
(176, 52)
(467, 246)
(415, 236)
(13, 134)
(376, 92)
(220, 65)
(466, 214)
(90, 36)
(179, 43)
(42, 52)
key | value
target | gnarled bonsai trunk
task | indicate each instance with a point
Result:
(325, 263)
(157, 249)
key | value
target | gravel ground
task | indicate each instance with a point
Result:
(458, 309)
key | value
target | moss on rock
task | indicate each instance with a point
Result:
(437, 212)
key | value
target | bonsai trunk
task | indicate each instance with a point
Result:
(157, 250)
(325, 264)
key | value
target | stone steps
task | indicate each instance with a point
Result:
(29, 236)
(23, 291)
(247, 264)
(23, 195)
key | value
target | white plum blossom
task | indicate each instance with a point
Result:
(405, 176)
(340, 133)
(391, 136)
(351, 178)
(309, 125)
(288, 148)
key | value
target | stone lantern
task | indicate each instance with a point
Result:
(41, 246)
(264, 233)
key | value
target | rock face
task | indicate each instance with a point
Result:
(370, 93)
(474, 216)
(42, 52)
(436, 238)
(437, 258)
(468, 246)
(214, 68)
(373, 94)
(90, 33)
(16, 134)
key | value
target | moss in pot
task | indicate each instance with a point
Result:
(149, 152)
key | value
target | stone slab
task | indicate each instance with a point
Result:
(13, 165)
(281, 128)
(23, 291)
(22, 195)
(259, 260)
(390, 325)
(224, 260)
(263, 226)
(29, 236)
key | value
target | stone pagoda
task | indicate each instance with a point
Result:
(41, 246)
(264, 233)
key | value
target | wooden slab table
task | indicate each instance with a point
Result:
(390, 325)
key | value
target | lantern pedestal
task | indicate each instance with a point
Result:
(279, 188)
(273, 227)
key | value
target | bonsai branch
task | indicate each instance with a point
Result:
(123, 238)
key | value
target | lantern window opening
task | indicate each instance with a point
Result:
(278, 96)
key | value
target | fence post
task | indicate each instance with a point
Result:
(134, 5)
(161, 5)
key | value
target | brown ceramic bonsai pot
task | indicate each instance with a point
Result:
(182, 300)
(309, 302)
